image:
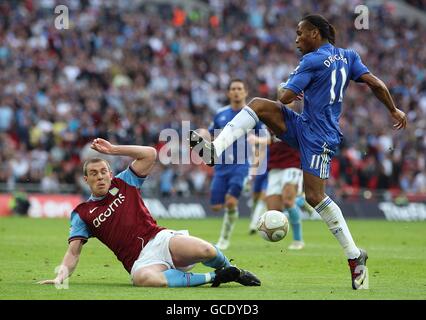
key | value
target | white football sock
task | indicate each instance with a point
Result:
(257, 212)
(245, 120)
(229, 220)
(332, 215)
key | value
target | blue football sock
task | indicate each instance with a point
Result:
(300, 201)
(220, 261)
(296, 223)
(176, 278)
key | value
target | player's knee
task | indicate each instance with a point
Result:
(313, 199)
(207, 251)
(288, 202)
(230, 204)
(256, 104)
(217, 207)
(148, 278)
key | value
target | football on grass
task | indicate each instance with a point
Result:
(272, 225)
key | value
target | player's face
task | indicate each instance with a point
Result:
(237, 92)
(98, 178)
(305, 38)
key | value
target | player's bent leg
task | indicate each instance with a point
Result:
(150, 276)
(217, 207)
(289, 202)
(274, 199)
(231, 202)
(258, 109)
(274, 202)
(270, 113)
(289, 194)
(187, 250)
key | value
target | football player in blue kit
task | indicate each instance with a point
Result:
(322, 76)
(231, 172)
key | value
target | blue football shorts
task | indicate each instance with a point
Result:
(315, 151)
(231, 183)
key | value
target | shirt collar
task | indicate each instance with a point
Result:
(93, 198)
(325, 45)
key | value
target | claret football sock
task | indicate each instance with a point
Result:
(176, 278)
(333, 217)
(245, 120)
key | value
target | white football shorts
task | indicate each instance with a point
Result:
(157, 251)
(278, 178)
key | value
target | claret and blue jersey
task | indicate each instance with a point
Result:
(323, 76)
(119, 219)
(79, 228)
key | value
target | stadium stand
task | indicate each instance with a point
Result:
(124, 73)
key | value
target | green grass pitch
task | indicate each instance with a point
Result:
(30, 249)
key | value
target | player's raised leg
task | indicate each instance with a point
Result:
(258, 109)
(333, 217)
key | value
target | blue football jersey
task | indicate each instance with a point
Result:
(239, 152)
(323, 76)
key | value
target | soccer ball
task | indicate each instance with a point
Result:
(272, 225)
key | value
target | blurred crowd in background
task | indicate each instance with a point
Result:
(124, 73)
(419, 4)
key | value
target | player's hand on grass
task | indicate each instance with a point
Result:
(102, 146)
(401, 119)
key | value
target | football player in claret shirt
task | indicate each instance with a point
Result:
(284, 181)
(116, 214)
(323, 76)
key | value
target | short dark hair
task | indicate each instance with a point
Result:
(94, 160)
(236, 80)
(325, 28)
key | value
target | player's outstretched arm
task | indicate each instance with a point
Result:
(382, 93)
(69, 263)
(144, 156)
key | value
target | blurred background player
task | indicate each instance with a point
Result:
(258, 205)
(116, 214)
(285, 180)
(323, 75)
(284, 184)
(230, 174)
(56, 98)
